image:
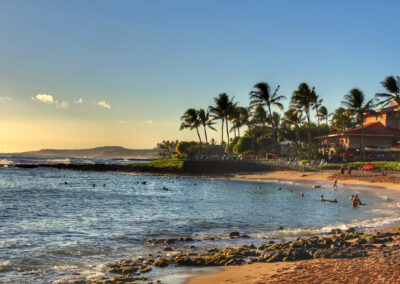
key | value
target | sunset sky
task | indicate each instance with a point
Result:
(80, 74)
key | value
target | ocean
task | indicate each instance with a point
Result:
(60, 226)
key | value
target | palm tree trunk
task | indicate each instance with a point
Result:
(227, 131)
(296, 129)
(205, 134)
(198, 134)
(222, 132)
(362, 137)
(319, 132)
(238, 131)
(273, 129)
(309, 135)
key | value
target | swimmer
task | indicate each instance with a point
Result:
(259, 187)
(302, 194)
(280, 188)
(94, 185)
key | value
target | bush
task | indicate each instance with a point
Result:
(244, 144)
(231, 145)
(188, 149)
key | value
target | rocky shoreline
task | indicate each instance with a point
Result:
(337, 245)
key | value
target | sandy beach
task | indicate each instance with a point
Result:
(387, 182)
(382, 265)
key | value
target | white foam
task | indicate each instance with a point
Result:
(5, 265)
(60, 161)
(5, 162)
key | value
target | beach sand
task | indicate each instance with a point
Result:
(387, 182)
(382, 265)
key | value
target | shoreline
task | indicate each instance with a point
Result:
(266, 272)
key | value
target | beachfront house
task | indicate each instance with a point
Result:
(380, 132)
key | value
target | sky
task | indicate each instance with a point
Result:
(81, 74)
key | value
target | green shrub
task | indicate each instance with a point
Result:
(188, 149)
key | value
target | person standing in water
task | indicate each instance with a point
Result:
(335, 184)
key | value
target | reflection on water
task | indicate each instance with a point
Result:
(55, 224)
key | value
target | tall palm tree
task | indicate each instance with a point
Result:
(392, 85)
(316, 106)
(323, 114)
(222, 110)
(354, 101)
(205, 120)
(240, 118)
(303, 99)
(294, 118)
(190, 120)
(263, 96)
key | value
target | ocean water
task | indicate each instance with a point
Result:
(56, 232)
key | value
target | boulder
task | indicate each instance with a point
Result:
(234, 234)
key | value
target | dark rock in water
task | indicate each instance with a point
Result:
(234, 234)
(271, 242)
(160, 262)
(167, 249)
(246, 236)
(279, 228)
(350, 230)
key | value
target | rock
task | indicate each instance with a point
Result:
(167, 249)
(234, 234)
(160, 262)
(145, 270)
(279, 228)
(350, 230)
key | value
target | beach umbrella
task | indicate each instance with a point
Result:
(368, 166)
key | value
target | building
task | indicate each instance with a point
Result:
(380, 133)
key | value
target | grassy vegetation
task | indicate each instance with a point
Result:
(161, 164)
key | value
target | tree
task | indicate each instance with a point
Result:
(205, 120)
(240, 118)
(188, 149)
(167, 148)
(190, 120)
(323, 114)
(294, 118)
(317, 105)
(341, 119)
(392, 85)
(354, 101)
(303, 99)
(222, 110)
(262, 96)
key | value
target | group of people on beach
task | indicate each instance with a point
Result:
(342, 169)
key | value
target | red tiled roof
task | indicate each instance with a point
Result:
(370, 129)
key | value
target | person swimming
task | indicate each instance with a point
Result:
(302, 194)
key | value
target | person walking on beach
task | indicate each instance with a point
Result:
(349, 170)
(342, 171)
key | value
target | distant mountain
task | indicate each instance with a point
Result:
(103, 152)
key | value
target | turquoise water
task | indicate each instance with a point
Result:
(50, 230)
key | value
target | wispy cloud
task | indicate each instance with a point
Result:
(6, 99)
(44, 98)
(103, 104)
(62, 104)
(49, 99)
(79, 101)
(149, 121)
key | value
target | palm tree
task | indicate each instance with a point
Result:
(303, 99)
(341, 119)
(218, 111)
(323, 114)
(204, 119)
(392, 85)
(223, 111)
(317, 105)
(294, 117)
(262, 96)
(190, 120)
(241, 115)
(354, 101)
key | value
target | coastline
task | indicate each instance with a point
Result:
(305, 271)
